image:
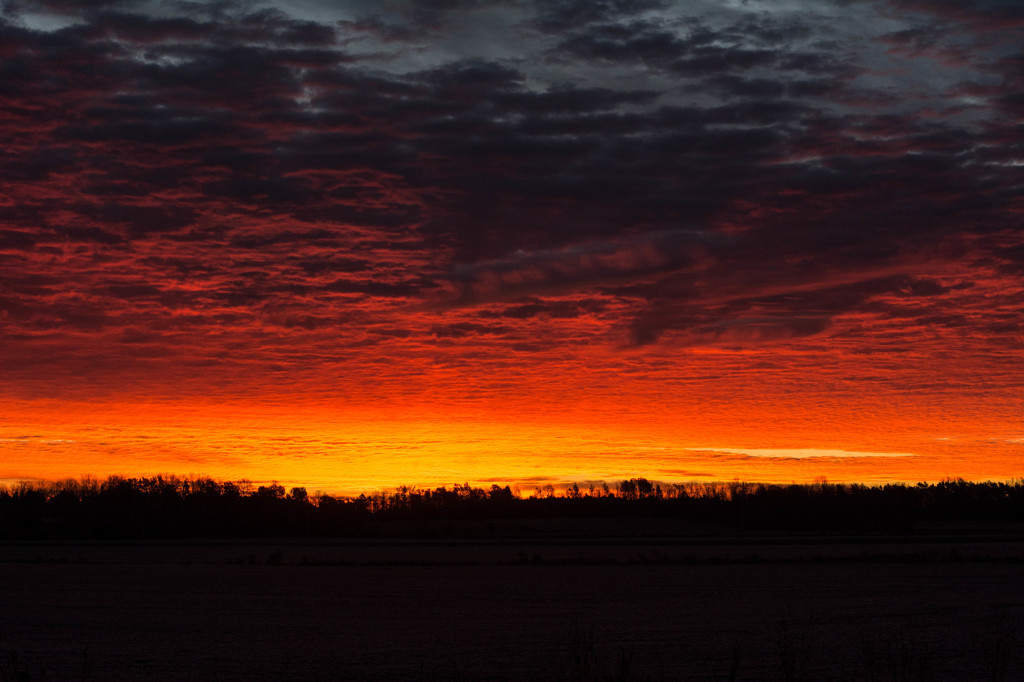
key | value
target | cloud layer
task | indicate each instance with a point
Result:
(514, 202)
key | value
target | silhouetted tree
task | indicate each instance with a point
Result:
(274, 491)
(168, 506)
(627, 489)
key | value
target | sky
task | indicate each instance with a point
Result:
(354, 245)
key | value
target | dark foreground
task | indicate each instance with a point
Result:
(513, 610)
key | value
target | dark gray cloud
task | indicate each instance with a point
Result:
(559, 16)
(501, 155)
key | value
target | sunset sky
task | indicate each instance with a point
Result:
(353, 245)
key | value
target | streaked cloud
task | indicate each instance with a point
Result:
(801, 453)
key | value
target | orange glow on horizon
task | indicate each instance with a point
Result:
(352, 451)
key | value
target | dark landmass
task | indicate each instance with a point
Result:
(514, 610)
(192, 579)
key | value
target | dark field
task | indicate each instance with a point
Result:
(437, 610)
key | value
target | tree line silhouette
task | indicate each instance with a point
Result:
(176, 507)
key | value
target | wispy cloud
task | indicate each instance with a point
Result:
(801, 453)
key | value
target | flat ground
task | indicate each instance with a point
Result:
(513, 610)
